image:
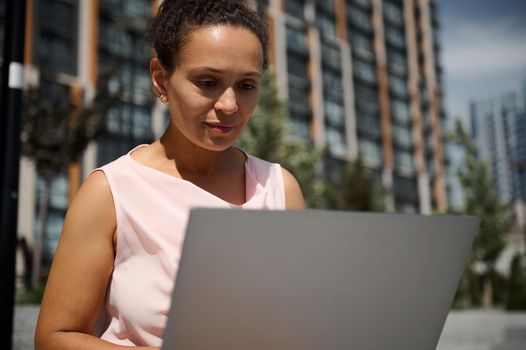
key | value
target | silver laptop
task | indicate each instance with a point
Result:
(313, 280)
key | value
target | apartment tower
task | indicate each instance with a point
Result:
(361, 78)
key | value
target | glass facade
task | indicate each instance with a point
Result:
(125, 55)
(300, 112)
(365, 81)
(500, 125)
(123, 52)
(295, 8)
(325, 18)
(56, 210)
(331, 62)
(58, 191)
(401, 123)
(57, 35)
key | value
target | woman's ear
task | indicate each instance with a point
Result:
(159, 77)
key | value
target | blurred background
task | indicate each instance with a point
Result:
(410, 106)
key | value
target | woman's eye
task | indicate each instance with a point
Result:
(248, 86)
(207, 83)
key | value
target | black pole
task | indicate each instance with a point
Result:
(10, 115)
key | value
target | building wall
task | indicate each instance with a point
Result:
(69, 44)
(499, 126)
(361, 77)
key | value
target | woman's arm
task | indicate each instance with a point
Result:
(293, 196)
(80, 272)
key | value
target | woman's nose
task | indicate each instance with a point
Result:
(227, 102)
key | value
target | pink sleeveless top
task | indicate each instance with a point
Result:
(152, 210)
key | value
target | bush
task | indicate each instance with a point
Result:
(30, 296)
(517, 285)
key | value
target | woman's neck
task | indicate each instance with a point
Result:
(192, 159)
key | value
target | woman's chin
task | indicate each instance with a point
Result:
(216, 145)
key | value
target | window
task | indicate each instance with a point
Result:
(369, 124)
(121, 43)
(332, 81)
(362, 45)
(395, 37)
(120, 120)
(366, 94)
(398, 86)
(334, 113)
(57, 49)
(142, 84)
(297, 66)
(299, 101)
(370, 153)
(360, 19)
(136, 8)
(296, 39)
(404, 162)
(141, 122)
(326, 22)
(57, 205)
(365, 71)
(397, 62)
(402, 136)
(134, 79)
(335, 138)
(294, 8)
(331, 55)
(364, 3)
(393, 13)
(400, 111)
(363, 106)
(300, 127)
(325, 6)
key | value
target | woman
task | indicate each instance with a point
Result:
(123, 233)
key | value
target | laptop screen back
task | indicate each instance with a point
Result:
(316, 280)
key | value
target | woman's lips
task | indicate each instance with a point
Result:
(220, 128)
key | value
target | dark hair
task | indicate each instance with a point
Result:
(176, 19)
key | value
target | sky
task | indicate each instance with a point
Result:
(483, 50)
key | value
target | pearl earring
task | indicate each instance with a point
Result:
(163, 98)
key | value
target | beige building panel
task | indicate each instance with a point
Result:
(424, 192)
(434, 100)
(383, 84)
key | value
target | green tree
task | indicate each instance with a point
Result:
(266, 137)
(55, 133)
(353, 189)
(482, 199)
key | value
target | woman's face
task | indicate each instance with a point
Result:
(214, 87)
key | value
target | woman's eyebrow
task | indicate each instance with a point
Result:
(206, 69)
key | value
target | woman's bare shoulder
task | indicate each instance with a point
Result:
(92, 208)
(293, 195)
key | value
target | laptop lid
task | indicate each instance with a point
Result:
(308, 280)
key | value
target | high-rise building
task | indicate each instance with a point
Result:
(69, 45)
(361, 77)
(498, 126)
